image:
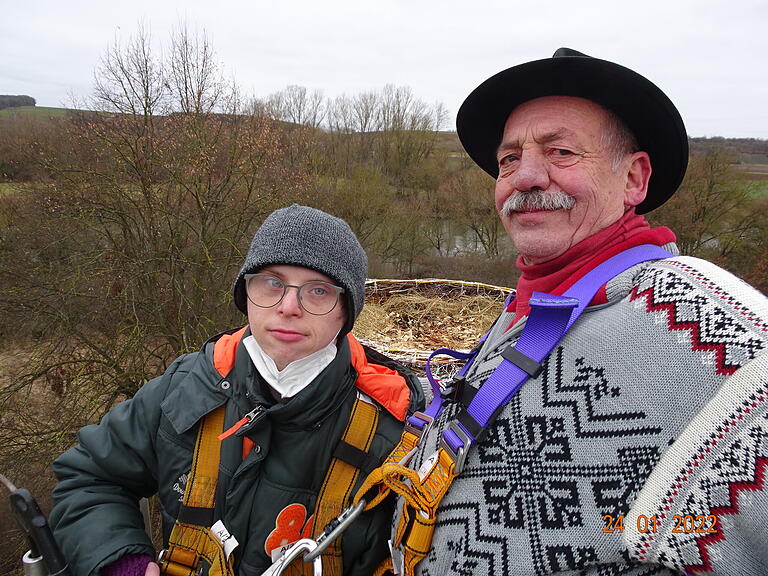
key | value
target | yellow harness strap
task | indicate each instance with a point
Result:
(336, 492)
(421, 498)
(190, 541)
(374, 483)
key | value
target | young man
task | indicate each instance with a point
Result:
(306, 413)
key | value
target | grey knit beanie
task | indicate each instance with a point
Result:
(307, 237)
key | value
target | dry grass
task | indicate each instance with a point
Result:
(407, 320)
(21, 417)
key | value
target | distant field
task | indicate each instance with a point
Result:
(757, 176)
(755, 171)
(8, 188)
(760, 188)
(40, 111)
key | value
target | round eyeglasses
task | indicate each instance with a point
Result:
(316, 297)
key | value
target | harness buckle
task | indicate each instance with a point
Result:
(452, 389)
(164, 559)
(415, 429)
(304, 545)
(459, 455)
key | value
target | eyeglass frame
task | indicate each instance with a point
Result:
(339, 291)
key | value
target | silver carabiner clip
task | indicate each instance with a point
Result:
(334, 529)
(305, 545)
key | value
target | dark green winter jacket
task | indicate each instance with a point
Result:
(144, 446)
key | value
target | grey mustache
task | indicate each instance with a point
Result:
(537, 200)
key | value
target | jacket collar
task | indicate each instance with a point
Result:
(317, 401)
(202, 389)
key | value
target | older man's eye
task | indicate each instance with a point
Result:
(507, 160)
(563, 156)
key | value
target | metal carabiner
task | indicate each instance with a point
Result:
(334, 529)
(304, 545)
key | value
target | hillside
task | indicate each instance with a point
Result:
(747, 151)
(37, 111)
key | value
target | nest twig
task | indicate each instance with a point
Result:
(408, 319)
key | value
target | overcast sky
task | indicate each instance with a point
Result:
(709, 56)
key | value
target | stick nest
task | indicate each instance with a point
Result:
(408, 319)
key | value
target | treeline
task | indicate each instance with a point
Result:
(8, 101)
(738, 148)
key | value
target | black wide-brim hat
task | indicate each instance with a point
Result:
(646, 110)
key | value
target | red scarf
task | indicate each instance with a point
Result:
(557, 275)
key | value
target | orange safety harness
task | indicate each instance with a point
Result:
(421, 497)
(192, 539)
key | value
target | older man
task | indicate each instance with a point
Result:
(634, 440)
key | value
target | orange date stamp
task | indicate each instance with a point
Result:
(683, 524)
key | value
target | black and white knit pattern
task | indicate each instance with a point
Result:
(579, 442)
(715, 474)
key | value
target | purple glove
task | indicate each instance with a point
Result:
(128, 565)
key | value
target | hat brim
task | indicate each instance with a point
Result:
(646, 110)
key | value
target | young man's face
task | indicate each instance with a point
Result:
(555, 145)
(287, 332)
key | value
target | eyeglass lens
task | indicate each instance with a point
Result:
(316, 297)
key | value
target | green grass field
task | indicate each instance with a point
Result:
(8, 188)
(38, 111)
(759, 188)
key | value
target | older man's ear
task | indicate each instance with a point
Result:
(638, 175)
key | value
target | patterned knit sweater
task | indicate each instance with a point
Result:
(640, 449)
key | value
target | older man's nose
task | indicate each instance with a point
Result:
(531, 174)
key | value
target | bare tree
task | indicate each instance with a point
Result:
(713, 212)
(296, 105)
(142, 228)
(130, 79)
(195, 79)
(365, 111)
(466, 197)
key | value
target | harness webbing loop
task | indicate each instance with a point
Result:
(341, 478)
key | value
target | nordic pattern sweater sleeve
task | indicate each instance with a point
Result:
(708, 491)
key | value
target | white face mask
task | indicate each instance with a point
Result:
(297, 375)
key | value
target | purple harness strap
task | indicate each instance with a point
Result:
(550, 318)
(437, 396)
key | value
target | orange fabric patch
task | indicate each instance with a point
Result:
(224, 351)
(248, 445)
(382, 384)
(290, 526)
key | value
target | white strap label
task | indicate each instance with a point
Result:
(426, 466)
(227, 541)
(278, 552)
